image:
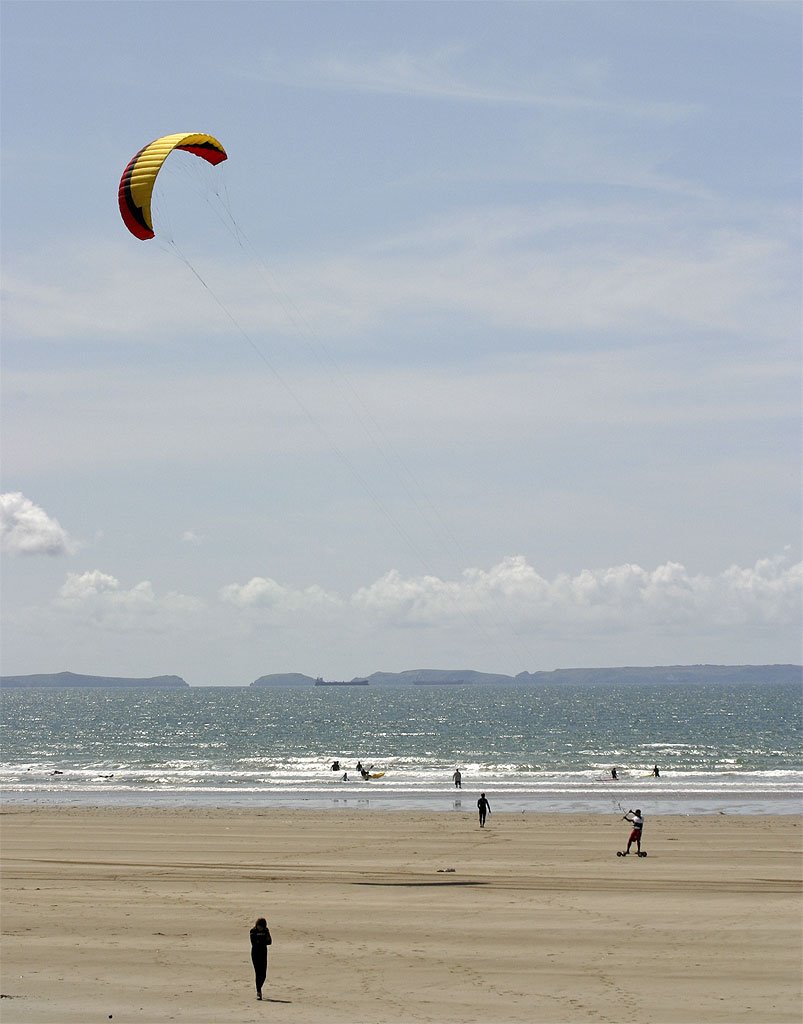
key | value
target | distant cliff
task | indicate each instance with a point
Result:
(297, 679)
(440, 677)
(587, 676)
(456, 677)
(669, 674)
(56, 680)
(284, 679)
(567, 676)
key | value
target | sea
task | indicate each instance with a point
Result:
(719, 748)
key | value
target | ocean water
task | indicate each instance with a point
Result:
(720, 749)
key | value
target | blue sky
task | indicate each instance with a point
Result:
(480, 351)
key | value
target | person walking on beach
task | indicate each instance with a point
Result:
(458, 779)
(260, 940)
(484, 808)
(636, 820)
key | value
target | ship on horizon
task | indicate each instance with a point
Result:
(341, 682)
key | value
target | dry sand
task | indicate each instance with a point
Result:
(143, 915)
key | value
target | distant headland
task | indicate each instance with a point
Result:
(563, 676)
(646, 675)
(58, 680)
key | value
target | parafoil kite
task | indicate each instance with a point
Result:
(136, 184)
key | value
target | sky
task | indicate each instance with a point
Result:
(480, 351)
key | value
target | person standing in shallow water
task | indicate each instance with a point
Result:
(260, 940)
(484, 808)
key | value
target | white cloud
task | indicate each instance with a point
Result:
(627, 268)
(101, 599)
(437, 74)
(768, 592)
(85, 290)
(623, 597)
(513, 595)
(224, 415)
(267, 594)
(568, 268)
(27, 529)
(508, 617)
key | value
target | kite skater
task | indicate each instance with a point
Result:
(636, 820)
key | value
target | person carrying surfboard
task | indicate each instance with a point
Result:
(484, 808)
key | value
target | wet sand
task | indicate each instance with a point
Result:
(388, 918)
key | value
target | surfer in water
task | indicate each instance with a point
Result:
(655, 772)
(458, 779)
(260, 940)
(614, 776)
(484, 808)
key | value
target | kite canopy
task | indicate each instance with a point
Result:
(136, 184)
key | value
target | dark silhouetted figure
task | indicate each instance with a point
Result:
(484, 808)
(260, 940)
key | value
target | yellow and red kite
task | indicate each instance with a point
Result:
(136, 184)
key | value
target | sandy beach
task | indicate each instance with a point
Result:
(386, 918)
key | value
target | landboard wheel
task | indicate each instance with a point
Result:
(643, 853)
(619, 853)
